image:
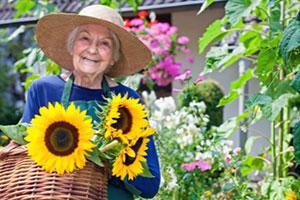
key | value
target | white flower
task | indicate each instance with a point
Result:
(203, 156)
(199, 107)
(179, 131)
(172, 183)
(208, 142)
(198, 156)
(149, 98)
(184, 140)
(207, 155)
(193, 130)
(166, 105)
(154, 124)
(205, 119)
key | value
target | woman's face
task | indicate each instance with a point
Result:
(92, 50)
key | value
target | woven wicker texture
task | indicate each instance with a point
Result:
(21, 178)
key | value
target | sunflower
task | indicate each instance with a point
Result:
(59, 138)
(290, 195)
(125, 118)
(129, 161)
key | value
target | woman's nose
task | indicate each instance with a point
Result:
(93, 48)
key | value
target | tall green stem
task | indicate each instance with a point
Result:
(280, 145)
(282, 132)
(274, 157)
(286, 130)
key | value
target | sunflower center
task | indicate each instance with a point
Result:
(61, 138)
(124, 122)
(129, 160)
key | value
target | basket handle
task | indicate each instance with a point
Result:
(7, 149)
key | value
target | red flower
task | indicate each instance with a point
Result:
(126, 22)
(152, 23)
(142, 14)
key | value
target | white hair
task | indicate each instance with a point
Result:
(116, 43)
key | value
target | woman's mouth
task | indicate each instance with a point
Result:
(91, 60)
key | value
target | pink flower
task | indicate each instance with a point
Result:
(183, 40)
(176, 90)
(185, 50)
(236, 151)
(199, 78)
(190, 59)
(136, 22)
(185, 75)
(160, 28)
(158, 37)
(203, 165)
(228, 158)
(154, 43)
(188, 166)
(172, 30)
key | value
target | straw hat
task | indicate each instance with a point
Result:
(52, 32)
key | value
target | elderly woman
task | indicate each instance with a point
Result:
(94, 48)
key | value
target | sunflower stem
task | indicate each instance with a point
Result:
(109, 146)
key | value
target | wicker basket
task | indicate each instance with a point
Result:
(21, 178)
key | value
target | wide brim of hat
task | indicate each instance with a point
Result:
(52, 32)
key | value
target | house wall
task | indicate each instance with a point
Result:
(193, 26)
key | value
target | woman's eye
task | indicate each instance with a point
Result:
(105, 44)
(84, 38)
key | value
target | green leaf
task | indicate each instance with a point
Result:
(231, 58)
(31, 57)
(242, 80)
(15, 132)
(251, 41)
(94, 157)
(30, 79)
(235, 88)
(296, 82)
(290, 44)
(52, 67)
(214, 56)
(272, 110)
(146, 171)
(296, 141)
(131, 188)
(250, 164)
(24, 7)
(215, 32)
(280, 87)
(205, 4)
(274, 21)
(249, 143)
(236, 9)
(134, 4)
(229, 98)
(228, 127)
(17, 32)
(258, 99)
(228, 187)
(265, 63)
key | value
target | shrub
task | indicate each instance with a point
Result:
(210, 93)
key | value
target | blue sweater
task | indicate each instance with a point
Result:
(50, 89)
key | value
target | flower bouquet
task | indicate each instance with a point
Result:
(60, 140)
